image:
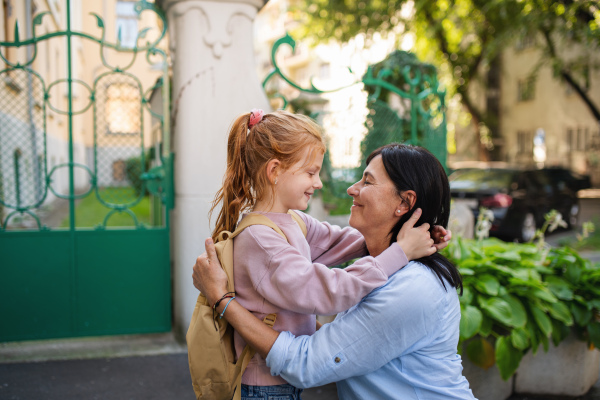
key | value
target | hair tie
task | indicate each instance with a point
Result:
(256, 115)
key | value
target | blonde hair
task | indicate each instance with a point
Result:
(279, 135)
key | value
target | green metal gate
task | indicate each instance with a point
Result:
(85, 182)
(403, 102)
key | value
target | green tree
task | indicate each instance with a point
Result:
(464, 35)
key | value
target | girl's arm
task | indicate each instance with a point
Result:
(332, 245)
(287, 279)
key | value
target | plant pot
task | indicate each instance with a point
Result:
(570, 369)
(486, 384)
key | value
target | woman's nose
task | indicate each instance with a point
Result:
(352, 190)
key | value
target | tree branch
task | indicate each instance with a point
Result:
(566, 75)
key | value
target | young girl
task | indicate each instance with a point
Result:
(273, 164)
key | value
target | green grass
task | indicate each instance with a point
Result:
(90, 212)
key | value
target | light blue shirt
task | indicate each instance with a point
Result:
(399, 342)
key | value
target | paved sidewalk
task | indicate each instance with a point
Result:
(156, 377)
(148, 367)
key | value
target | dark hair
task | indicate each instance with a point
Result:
(415, 168)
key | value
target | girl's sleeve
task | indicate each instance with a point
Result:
(287, 279)
(330, 244)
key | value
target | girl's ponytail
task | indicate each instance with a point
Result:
(236, 194)
(256, 138)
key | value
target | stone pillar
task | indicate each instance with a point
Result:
(214, 80)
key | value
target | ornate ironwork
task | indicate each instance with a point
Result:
(418, 117)
(26, 181)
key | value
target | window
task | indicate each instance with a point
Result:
(570, 140)
(127, 23)
(524, 142)
(526, 89)
(525, 41)
(123, 108)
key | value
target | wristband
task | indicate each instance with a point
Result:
(226, 305)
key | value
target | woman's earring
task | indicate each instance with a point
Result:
(397, 211)
(276, 181)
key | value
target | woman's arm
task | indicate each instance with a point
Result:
(211, 280)
(402, 316)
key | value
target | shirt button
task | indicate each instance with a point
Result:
(337, 360)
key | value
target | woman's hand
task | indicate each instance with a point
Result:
(209, 277)
(416, 242)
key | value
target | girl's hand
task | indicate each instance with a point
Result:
(209, 277)
(416, 242)
(441, 237)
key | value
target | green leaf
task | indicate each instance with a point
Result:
(467, 296)
(519, 315)
(543, 294)
(498, 309)
(545, 342)
(509, 255)
(519, 338)
(507, 357)
(594, 332)
(487, 284)
(470, 322)
(533, 335)
(559, 332)
(486, 326)
(561, 312)
(481, 353)
(595, 303)
(542, 320)
(573, 272)
(560, 287)
(581, 314)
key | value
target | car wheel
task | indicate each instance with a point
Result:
(571, 217)
(528, 227)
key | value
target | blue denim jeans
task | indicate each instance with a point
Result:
(279, 392)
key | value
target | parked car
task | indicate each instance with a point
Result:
(519, 198)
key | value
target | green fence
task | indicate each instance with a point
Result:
(397, 100)
(85, 181)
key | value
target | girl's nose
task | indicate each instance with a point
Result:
(318, 184)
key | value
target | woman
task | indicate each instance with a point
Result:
(400, 341)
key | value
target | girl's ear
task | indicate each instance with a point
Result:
(407, 202)
(273, 170)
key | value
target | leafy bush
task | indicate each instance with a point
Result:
(518, 296)
(134, 170)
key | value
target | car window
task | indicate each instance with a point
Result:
(539, 182)
(478, 179)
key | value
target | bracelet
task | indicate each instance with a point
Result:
(227, 295)
(221, 316)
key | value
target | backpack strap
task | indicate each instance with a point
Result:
(299, 221)
(245, 358)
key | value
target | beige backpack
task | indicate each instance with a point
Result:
(216, 375)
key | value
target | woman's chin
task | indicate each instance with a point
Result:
(353, 222)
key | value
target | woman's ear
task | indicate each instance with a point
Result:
(407, 203)
(273, 170)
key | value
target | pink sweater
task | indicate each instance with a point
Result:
(293, 279)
